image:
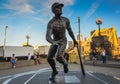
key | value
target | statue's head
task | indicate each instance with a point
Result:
(56, 4)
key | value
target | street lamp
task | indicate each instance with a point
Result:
(5, 35)
(98, 22)
(5, 40)
(27, 37)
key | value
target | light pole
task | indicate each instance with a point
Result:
(98, 22)
(5, 35)
(5, 40)
(27, 37)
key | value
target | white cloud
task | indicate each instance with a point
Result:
(19, 6)
(1, 16)
(92, 9)
(117, 11)
(45, 10)
(46, 5)
(41, 7)
(65, 2)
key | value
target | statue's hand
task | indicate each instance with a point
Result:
(75, 43)
(55, 42)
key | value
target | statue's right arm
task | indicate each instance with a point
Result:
(49, 33)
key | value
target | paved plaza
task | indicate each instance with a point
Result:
(41, 76)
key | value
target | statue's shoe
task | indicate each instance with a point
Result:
(66, 68)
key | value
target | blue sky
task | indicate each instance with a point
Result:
(31, 17)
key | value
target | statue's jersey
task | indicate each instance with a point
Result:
(58, 28)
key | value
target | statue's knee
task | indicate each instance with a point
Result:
(59, 59)
(49, 59)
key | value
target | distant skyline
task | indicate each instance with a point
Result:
(30, 17)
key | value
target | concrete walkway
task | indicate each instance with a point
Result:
(7, 65)
(41, 76)
(114, 64)
(21, 63)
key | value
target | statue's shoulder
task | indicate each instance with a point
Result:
(64, 18)
(51, 21)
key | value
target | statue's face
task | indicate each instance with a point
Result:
(57, 10)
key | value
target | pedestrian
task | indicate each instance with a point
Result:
(103, 55)
(35, 59)
(13, 60)
(94, 57)
(38, 58)
(56, 36)
(29, 56)
(2, 59)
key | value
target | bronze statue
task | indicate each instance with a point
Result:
(56, 35)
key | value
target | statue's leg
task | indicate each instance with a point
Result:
(60, 58)
(51, 54)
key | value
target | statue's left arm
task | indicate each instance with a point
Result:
(70, 31)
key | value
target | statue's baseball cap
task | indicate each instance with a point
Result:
(56, 4)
